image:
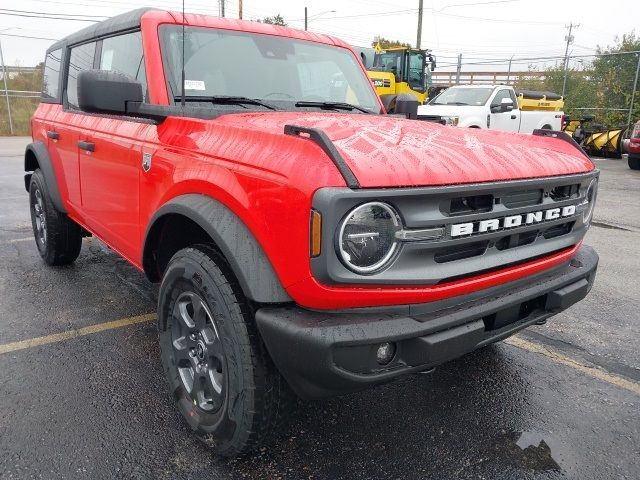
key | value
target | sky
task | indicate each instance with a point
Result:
(480, 31)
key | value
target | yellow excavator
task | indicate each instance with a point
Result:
(398, 70)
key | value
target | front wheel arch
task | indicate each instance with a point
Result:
(207, 220)
(36, 156)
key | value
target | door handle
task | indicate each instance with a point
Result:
(87, 146)
(513, 117)
(53, 135)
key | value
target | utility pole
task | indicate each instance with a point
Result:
(222, 8)
(305, 19)
(458, 69)
(633, 92)
(509, 71)
(569, 39)
(6, 90)
(419, 39)
(240, 9)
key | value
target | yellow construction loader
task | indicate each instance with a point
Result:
(398, 70)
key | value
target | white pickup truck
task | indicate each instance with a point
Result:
(496, 107)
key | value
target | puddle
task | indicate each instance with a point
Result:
(536, 453)
(531, 450)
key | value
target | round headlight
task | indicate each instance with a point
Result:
(590, 200)
(367, 237)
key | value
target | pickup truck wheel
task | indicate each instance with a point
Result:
(634, 163)
(218, 369)
(59, 239)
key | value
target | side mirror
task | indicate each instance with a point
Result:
(104, 91)
(506, 105)
(407, 105)
(432, 62)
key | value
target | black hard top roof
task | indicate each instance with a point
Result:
(126, 21)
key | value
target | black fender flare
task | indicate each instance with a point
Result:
(246, 258)
(38, 150)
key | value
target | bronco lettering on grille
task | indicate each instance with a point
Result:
(512, 221)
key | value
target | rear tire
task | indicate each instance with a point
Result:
(634, 163)
(219, 371)
(58, 238)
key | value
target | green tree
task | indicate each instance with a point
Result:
(386, 43)
(615, 74)
(598, 86)
(275, 20)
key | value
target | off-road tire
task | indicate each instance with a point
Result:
(58, 238)
(254, 398)
(634, 163)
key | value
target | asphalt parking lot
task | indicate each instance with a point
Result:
(84, 398)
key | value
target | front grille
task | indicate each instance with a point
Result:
(432, 118)
(564, 192)
(460, 252)
(558, 230)
(517, 240)
(523, 199)
(461, 212)
(470, 204)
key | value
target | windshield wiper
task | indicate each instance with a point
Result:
(227, 100)
(331, 105)
(455, 103)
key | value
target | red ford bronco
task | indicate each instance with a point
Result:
(303, 238)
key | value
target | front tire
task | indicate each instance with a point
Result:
(58, 238)
(218, 369)
(634, 163)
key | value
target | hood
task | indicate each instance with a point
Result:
(449, 109)
(386, 151)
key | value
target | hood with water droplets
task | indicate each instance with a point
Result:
(386, 151)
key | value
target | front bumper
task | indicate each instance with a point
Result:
(331, 353)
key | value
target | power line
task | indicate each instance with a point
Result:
(49, 17)
(50, 13)
(28, 36)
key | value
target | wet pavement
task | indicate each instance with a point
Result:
(97, 406)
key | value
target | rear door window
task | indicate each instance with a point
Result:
(80, 59)
(123, 53)
(51, 76)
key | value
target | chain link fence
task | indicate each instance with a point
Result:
(16, 109)
(19, 99)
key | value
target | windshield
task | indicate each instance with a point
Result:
(278, 70)
(463, 96)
